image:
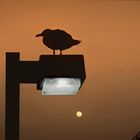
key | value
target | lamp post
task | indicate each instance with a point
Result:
(62, 68)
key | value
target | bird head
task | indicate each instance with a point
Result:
(44, 33)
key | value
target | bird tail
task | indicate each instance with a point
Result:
(75, 42)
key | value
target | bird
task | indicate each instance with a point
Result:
(57, 39)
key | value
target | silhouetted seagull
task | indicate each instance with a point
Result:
(58, 40)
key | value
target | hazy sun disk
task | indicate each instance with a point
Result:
(79, 114)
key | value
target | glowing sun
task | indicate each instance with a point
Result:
(79, 114)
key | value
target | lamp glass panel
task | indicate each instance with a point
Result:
(60, 86)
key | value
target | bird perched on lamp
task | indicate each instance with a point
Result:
(57, 40)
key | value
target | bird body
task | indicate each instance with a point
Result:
(58, 39)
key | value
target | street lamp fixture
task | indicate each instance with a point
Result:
(60, 86)
(53, 74)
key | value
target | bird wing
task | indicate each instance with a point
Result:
(62, 33)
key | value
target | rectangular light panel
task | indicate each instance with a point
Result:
(60, 86)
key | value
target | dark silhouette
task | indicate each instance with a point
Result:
(136, 137)
(34, 72)
(58, 40)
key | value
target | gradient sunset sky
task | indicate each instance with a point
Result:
(110, 97)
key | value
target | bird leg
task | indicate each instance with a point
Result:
(60, 52)
(53, 52)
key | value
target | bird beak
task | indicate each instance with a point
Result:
(38, 35)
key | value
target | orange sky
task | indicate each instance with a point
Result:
(109, 98)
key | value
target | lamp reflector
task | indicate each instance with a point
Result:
(60, 86)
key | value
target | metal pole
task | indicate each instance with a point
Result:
(12, 100)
